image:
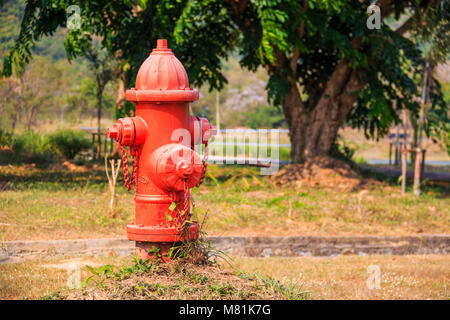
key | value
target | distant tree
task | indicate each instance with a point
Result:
(104, 67)
(10, 15)
(29, 91)
(325, 66)
(430, 30)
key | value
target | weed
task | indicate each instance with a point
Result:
(198, 251)
(291, 291)
(55, 295)
(221, 290)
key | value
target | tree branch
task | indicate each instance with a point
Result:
(300, 32)
(407, 25)
(238, 7)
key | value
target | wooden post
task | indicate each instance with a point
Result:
(422, 170)
(217, 112)
(417, 167)
(419, 151)
(397, 153)
(93, 145)
(99, 145)
(390, 152)
(404, 152)
(105, 147)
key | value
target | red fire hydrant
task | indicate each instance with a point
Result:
(161, 137)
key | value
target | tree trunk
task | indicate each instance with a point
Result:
(31, 116)
(18, 113)
(404, 150)
(295, 115)
(314, 132)
(120, 100)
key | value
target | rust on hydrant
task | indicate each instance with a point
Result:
(162, 137)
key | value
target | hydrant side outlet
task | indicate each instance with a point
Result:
(166, 166)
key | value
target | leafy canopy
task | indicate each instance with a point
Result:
(264, 33)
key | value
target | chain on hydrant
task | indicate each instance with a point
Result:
(205, 165)
(129, 182)
(183, 215)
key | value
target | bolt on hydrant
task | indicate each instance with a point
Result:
(162, 137)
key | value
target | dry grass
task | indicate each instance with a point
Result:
(39, 279)
(59, 204)
(343, 277)
(377, 208)
(122, 279)
(52, 204)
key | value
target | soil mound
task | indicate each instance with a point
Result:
(182, 281)
(325, 172)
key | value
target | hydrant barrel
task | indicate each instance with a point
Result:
(160, 136)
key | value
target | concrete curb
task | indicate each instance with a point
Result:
(15, 251)
(332, 246)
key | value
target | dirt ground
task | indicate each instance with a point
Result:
(342, 277)
(325, 172)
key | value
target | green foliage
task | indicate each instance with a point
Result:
(10, 14)
(334, 32)
(5, 138)
(31, 147)
(291, 290)
(343, 151)
(216, 37)
(68, 142)
(40, 148)
(264, 117)
(437, 125)
(270, 34)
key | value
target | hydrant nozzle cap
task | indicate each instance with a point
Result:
(161, 44)
(112, 132)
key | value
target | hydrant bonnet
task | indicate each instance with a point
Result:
(161, 78)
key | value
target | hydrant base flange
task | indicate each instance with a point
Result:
(160, 234)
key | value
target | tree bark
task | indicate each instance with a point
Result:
(314, 132)
(31, 115)
(293, 109)
(120, 100)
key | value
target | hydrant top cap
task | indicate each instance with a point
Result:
(162, 77)
(161, 44)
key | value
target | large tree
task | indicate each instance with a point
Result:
(325, 66)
